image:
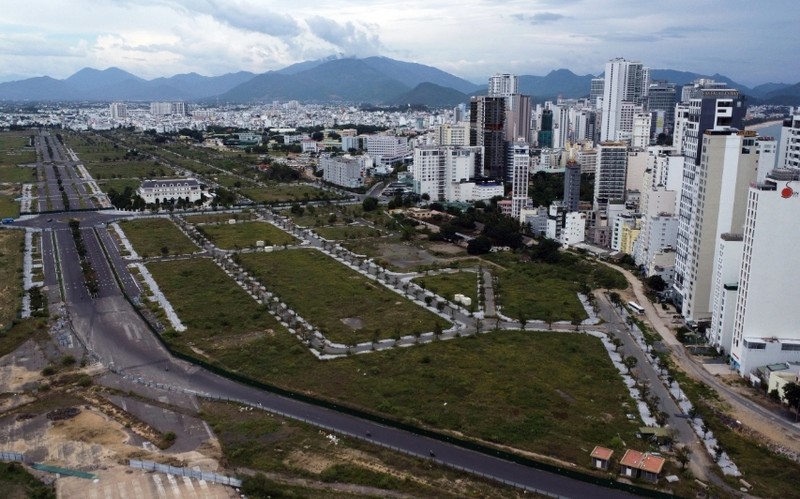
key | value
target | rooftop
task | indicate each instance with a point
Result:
(642, 461)
(602, 453)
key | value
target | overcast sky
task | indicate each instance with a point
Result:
(752, 42)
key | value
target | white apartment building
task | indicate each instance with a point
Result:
(503, 85)
(574, 231)
(728, 165)
(346, 171)
(448, 174)
(789, 148)
(640, 138)
(624, 81)
(118, 111)
(386, 149)
(163, 190)
(726, 287)
(765, 324)
(520, 165)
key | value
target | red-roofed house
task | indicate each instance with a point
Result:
(644, 465)
(601, 457)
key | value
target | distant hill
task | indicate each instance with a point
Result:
(431, 95)
(375, 80)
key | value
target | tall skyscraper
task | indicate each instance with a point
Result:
(661, 97)
(708, 109)
(789, 148)
(765, 326)
(520, 161)
(728, 165)
(572, 185)
(503, 85)
(487, 125)
(624, 81)
(518, 117)
(612, 168)
(545, 135)
(596, 91)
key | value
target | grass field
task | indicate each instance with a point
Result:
(342, 232)
(286, 193)
(219, 315)
(8, 206)
(119, 184)
(245, 235)
(552, 393)
(212, 218)
(128, 169)
(11, 249)
(326, 293)
(447, 285)
(260, 441)
(17, 483)
(14, 150)
(548, 291)
(150, 235)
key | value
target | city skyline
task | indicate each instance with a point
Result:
(166, 37)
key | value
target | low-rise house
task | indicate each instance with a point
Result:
(601, 457)
(644, 465)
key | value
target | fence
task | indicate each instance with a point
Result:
(12, 456)
(208, 476)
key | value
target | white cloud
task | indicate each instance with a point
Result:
(470, 38)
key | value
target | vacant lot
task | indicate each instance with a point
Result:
(346, 306)
(14, 150)
(245, 235)
(10, 274)
(286, 193)
(544, 291)
(342, 232)
(8, 206)
(151, 236)
(551, 393)
(448, 285)
(219, 315)
(213, 218)
(128, 169)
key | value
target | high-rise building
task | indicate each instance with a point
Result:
(596, 92)
(708, 109)
(503, 85)
(118, 110)
(625, 81)
(612, 167)
(487, 125)
(447, 173)
(545, 136)
(518, 118)
(520, 161)
(765, 328)
(661, 97)
(789, 148)
(728, 165)
(572, 185)
(561, 127)
(452, 135)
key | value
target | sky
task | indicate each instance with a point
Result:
(752, 42)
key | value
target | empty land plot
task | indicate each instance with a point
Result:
(448, 285)
(15, 149)
(287, 193)
(342, 232)
(545, 291)
(556, 394)
(119, 184)
(213, 218)
(221, 318)
(11, 242)
(9, 207)
(150, 236)
(245, 235)
(346, 306)
(128, 169)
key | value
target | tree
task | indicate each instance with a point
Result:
(630, 362)
(479, 245)
(682, 455)
(656, 283)
(369, 204)
(791, 392)
(616, 300)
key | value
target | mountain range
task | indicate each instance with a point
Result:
(375, 80)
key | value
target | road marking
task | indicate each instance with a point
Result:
(123, 492)
(189, 485)
(159, 487)
(137, 488)
(176, 489)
